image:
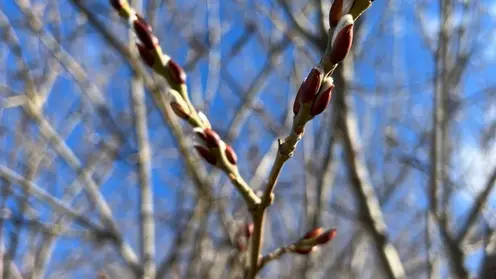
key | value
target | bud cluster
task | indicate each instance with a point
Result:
(315, 91)
(211, 148)
(151, 53)
(312, 239)
(208, 145)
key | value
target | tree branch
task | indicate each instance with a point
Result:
(146, 219)
(360, 181)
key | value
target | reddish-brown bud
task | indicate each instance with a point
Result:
(325, 237)
(179, 110)
(206, 154)
(231, 155)
(176, 72)
(143, 21)
(311, 85)
(145, 55)
(342, 40)
(249, 230)
(212, 139)
(304, 251)
(297, 102)
(335, 12)
(144, 33)
(313, 233)
(117, 4)
(323, 98)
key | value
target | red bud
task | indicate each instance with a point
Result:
(143, 21)
(313, 233)
(341, 44)
(326, 237)
(176, 72)
(116, 4)
(206, 154)
(179, 111)
(211, 138)
(311, 85)
(144, 33)
(322, 101)
(145, 55)
(231, 156)
(335, 13)
(297, 102)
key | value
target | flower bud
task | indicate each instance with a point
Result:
(342, 39)
(176, 72)
(313, 233)
(326, 237)
(206, 154)
(304, 250)
(211, 138)
(297, 102)
(231, 156)
(311, 85)
(143, 21)
(145, 55)
(117, 4)
(323, 98)
(144, 33)
(335, 12)
(178, 105)
(179, 110)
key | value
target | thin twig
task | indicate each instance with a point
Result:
(479, 204)
(43, 196)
